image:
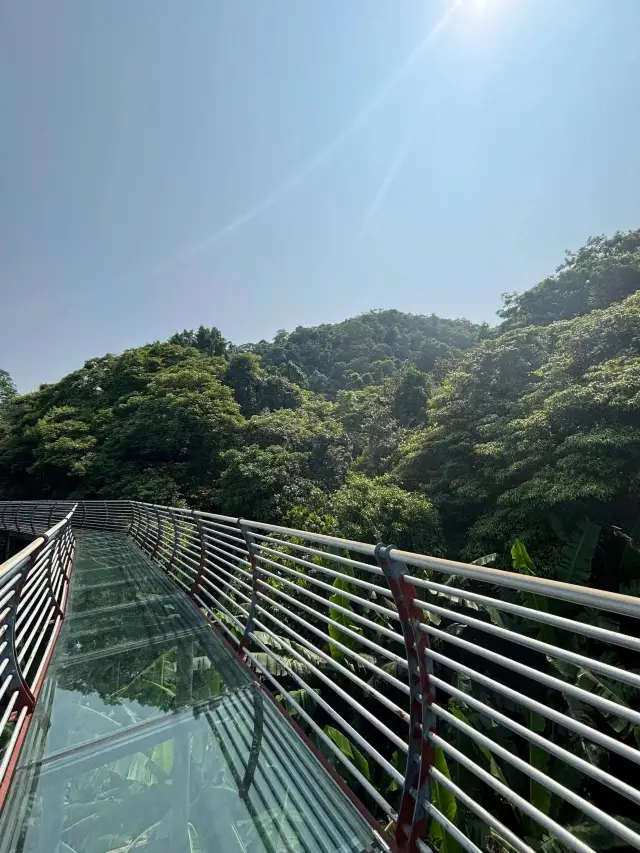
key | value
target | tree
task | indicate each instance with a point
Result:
(534, 422)
(8, 389)
(374, 510)
(571, 444)
(256, 390)
(431, 351)
(604, 271)
(447, 459)
(310, 430)
(410, 397)
(101, 429)
(368, 420)
(364, 349)
(207, 340)
(64, 449)
(262, 483)
(7, 392)
(181, 425)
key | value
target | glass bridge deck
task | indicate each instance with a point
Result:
(150, 735)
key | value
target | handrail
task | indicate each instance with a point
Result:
(22, 555)
(33, 595)
(415, 662)
(310, 612)
(612, 602)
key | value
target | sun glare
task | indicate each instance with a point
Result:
(479, 6)
(482, 8)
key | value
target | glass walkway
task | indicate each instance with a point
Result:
(149, 735)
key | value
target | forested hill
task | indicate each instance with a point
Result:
(363, 350)
(436, 435)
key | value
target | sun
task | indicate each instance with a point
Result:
(481, 8)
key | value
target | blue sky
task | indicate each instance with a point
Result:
(263, 164)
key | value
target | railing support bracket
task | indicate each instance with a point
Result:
(413, 819)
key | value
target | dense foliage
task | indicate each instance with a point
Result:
(7, 392)
(605, 270)
(435, 435)
(364, 350)
(496, 433)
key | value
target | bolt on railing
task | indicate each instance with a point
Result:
(33, 594)
(493, 703)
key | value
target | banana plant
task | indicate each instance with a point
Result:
(338, 598)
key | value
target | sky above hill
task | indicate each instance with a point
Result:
(258, 165)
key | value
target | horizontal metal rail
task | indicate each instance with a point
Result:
(36, 517)
(399, 664)
(33, 595)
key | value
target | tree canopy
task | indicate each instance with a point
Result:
(7, 392)
(477, 435)
(436, 436)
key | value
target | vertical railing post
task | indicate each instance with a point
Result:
(159, 536)
(413, 818)
(50, 560)
(250, 542)
(203, 553)
(130, 525)
(66, 556)
(145, 532)
(176, 540)
(136, 521)
(67, 544)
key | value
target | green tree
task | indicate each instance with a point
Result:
(604, 271)
(476, 398)
(7, 392)
(8, 389)
(368, 419)
(364, 349)
(374, 510)
(207, 340)
(410, 397)
(256, 390)
(571, 444)
(369, 509)
(310, 430)
(64, 449)
(262, 483)
(181, 425)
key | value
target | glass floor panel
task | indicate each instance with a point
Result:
(103, 629)
(232, 778)
(164, 743)
(99, 597)
(105, 694)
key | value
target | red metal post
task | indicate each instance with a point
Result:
(253, 607)
(413, 819)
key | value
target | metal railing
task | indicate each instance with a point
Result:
(33, 595)
(468, 706)
(35, 517)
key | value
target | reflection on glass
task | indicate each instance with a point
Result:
(150, 736)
